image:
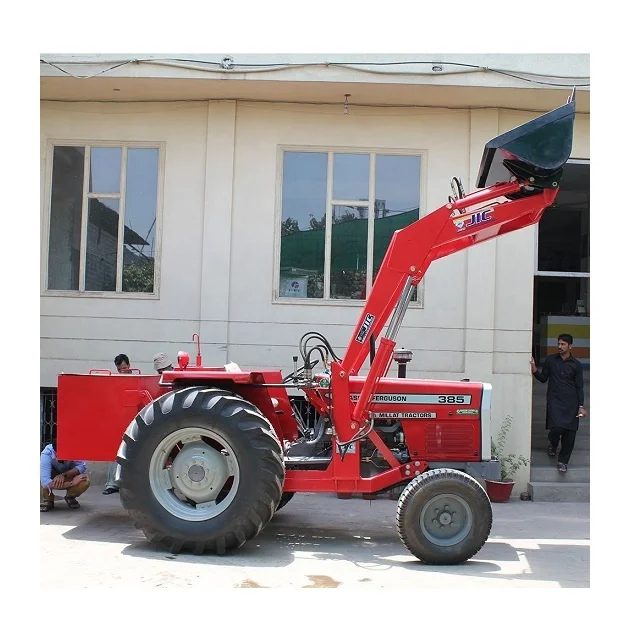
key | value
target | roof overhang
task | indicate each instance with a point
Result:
(156, 80)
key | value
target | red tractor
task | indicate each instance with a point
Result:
(209, 454)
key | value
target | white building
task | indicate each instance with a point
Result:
(183, 197)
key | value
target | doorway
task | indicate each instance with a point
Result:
(561, 299)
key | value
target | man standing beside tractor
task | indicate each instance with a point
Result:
(565, 399)
(161, 362)
(123, 365)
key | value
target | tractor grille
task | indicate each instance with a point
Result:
(451, 441)
(48, 417)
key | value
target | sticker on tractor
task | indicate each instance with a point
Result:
(404, 416)
(463, 223)
(467, 412)
(364, 329)
(393, 398)
(351, 448)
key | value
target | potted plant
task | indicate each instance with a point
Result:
(500, 490)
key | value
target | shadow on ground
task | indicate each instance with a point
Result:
(365, 537)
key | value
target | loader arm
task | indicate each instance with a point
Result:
(414, 248)
(538, 150)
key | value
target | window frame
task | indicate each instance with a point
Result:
(331, 150)
(124, 145)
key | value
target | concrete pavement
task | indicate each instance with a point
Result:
(316, 541)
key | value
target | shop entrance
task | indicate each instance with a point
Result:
(561, 300)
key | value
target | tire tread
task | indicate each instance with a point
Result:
(242, 415)
(424, 550)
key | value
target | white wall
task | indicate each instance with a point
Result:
(218, 240)
(276, 327)
(82, 332)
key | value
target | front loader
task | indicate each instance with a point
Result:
(207, 455)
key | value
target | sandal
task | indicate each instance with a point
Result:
(109, 490)
(46, 506)
(72, 503)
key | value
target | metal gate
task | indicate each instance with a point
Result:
(48, 417)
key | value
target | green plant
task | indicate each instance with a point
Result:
(509, 463)
(138, 277)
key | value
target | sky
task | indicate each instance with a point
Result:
(141, 186)
(397, 182)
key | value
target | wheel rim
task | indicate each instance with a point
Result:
(446, 519)
(194, 474)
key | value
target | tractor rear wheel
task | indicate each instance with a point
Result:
(286, 496)
(444, 516)
(200, 469)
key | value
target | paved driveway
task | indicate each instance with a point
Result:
(316, 541)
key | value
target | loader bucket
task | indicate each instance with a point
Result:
(534, 151)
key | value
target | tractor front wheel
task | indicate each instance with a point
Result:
(444, 516)
(200, 469)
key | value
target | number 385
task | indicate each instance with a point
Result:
(451, 399)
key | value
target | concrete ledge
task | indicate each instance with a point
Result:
(549, 473)
(559, 491)
(578, 458)
(541, 441)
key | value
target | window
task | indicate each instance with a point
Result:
(367, 196)
(102, 226)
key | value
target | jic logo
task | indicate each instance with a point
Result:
(471, 220)
(295, 284)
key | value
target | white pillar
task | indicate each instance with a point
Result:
(216, 232)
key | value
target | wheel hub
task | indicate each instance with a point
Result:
(446, 519)
(201, 481)
(199, 471)
(196, 473)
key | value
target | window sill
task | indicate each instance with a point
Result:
(104, 295)
(320, 302)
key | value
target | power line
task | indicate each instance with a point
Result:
(231, 68)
